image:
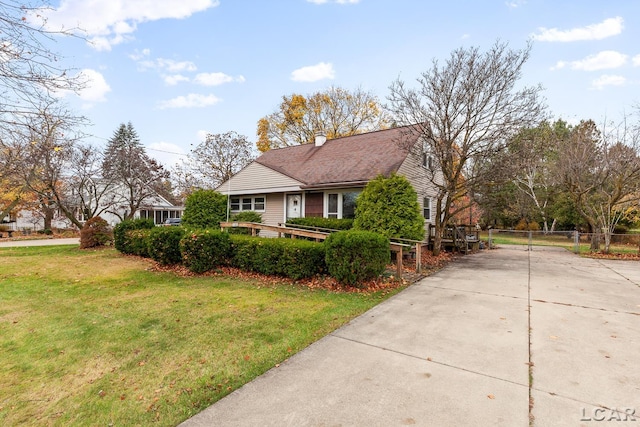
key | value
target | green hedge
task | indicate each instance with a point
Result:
(163, 244)
(204, 250)
(137, 242)
(296, 259)
(330, 223)
(353, 257)
(204, 209)
(120, 239)
(245, 216)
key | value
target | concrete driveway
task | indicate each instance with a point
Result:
(507, 337)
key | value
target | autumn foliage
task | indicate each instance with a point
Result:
(95, 232)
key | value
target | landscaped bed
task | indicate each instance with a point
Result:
(93, 337)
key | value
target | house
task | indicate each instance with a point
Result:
(111, 206)
(324, 179)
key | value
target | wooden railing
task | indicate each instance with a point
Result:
(396, 245)
(463, 238)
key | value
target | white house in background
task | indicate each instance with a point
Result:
(324, 179)
(156, 207)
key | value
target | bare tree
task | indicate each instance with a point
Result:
(335, 111)
(90, 194)
(30, 72)
(48, 148)
(214, 161)
(466, 111)
(601, 173)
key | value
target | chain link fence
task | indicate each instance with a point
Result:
(574, 241)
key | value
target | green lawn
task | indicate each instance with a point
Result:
(558, 239)
(91, 337)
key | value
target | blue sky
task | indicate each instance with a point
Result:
(178, 69)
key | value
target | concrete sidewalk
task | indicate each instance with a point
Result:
(38, 242)
(496, 339)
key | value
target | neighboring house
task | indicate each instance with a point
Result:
(113, 208)
(324, 179)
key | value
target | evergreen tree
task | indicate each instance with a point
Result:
(138, 176)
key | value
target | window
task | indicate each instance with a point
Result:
(349, 204)
(426, 208)
(427, 160)
(256, 203)
(341, 205)
(332, 205)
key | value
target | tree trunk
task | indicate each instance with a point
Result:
(437, 242)
(48, 218)
(595, 239)
(607, 241)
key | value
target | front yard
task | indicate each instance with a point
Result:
(91, 337)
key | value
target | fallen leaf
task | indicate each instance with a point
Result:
(503, 318)
(553, 337)
(491, 396)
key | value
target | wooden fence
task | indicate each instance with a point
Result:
(399, 246)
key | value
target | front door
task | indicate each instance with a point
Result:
(294, 205)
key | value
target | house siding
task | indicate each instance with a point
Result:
(257, 179)
(274, 212)
(420, 179)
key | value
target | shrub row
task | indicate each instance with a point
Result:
(356, 256)
(351, 257)
(205, 250)
(122, 241)
(296, 259)
(330, 223)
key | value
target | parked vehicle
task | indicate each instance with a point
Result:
(172, 221)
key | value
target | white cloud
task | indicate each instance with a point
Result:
(111, 22)
(174, 66)
(166, 153)
(636, 61)
(313, 73)
(202, 135)
(139, 55)
(606, 59)
(96, 86)
(215, 79)
(514, 4)
(193, 100)
(174, 79)
(607, 80)
(607, 28)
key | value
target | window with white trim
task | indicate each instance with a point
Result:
(341, 205)
(248, 203)
(427, 157)
(426, 208)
